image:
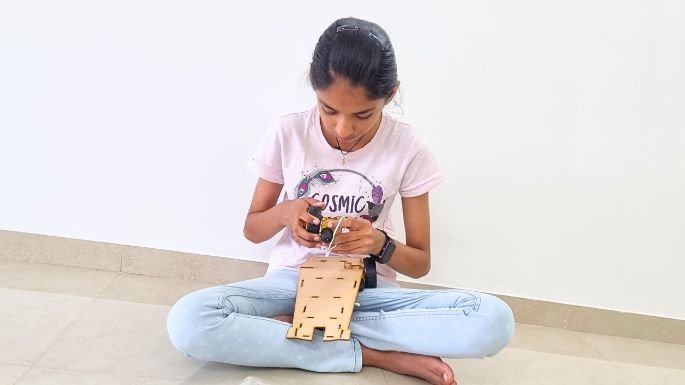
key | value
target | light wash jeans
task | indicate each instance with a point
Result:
(232, 324)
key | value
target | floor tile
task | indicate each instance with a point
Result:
(47, 376)
(633, 351)
(53, 278)
(519, 367)
(649, 375)
(152, 290)
(34, 322)
(224, 374)
(9, 374)
(551, 340)
(119, 338)
(113, 337)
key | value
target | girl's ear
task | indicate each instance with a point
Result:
(394, 92)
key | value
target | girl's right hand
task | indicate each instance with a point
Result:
(296, 219)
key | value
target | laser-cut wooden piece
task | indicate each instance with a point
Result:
(326, 292)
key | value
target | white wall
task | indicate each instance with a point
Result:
(560, 126)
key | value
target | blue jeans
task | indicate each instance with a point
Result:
(232, 324)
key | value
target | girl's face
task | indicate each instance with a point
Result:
(348, 114)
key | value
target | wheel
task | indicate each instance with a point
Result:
(370, 277)
(315, 211)
(327, 235)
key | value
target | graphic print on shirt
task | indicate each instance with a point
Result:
(344, 192)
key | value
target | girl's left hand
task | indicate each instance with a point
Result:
(360, 237)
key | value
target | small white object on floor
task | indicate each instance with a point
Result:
(253, 381)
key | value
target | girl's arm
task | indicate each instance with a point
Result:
(413, 258)
(265, 217)
(259, 223)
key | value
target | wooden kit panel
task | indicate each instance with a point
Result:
(326, 293)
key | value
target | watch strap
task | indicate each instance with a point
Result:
(386, 251)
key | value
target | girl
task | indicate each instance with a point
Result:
(348, 158)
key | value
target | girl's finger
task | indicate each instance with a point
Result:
(314, 202)
(351, 223)
(302, 233)
(309, 218)
(306, 243)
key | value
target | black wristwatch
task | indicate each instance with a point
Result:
(386, 251)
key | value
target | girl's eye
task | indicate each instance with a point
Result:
(363, 117)
(328, 112)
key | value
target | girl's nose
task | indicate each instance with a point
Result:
(344, 128)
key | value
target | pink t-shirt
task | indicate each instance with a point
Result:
(295, 153)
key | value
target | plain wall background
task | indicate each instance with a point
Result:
(560, 127)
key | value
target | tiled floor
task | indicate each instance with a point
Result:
(62, 325)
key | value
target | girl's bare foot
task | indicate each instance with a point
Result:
(284, 318)
(431, 369)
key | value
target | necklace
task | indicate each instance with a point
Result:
(344, 153)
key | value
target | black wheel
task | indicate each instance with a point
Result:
(315, 211)
(327, 235)
(370, 278)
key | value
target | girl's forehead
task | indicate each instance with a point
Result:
(344, 97)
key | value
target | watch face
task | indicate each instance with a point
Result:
(388, 250)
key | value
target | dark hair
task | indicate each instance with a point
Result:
(359, 51)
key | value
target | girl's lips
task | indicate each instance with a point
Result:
(348, 140)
